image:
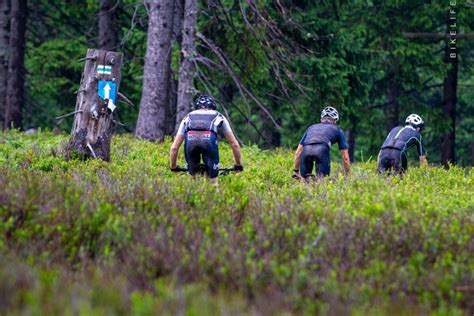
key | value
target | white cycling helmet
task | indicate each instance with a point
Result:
(415, 120)
(330, 112)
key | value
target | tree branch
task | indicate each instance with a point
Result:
(67, 115)
(242, 88)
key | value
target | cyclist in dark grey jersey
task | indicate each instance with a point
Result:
(314, 147)
(393, 152)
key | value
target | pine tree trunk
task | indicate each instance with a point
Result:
(108, 39)
(177, 21)
(449, 110)
(175, 38)
(393, 108)
(4, 45)
(188, 53)
(276, 136)
(171, 111)
(155, 102)
(93, 121)
(16, 72)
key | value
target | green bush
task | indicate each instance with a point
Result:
(131, 237)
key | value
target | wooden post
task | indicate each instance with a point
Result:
(96, 101)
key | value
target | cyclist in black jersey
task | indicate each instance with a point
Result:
(314, 147)
(393, 152)
(199, 130)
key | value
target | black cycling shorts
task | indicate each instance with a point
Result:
(202, 147)
(318, 155)
(392, 159)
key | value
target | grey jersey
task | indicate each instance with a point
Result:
(403, 138)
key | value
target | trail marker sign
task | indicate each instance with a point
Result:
(107, 90)
(104, 70)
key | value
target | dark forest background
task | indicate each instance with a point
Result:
(272, 64)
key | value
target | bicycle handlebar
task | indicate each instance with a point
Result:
(222, 171)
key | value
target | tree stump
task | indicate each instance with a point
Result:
(95, 106)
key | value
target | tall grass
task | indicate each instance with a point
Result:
(130, 237)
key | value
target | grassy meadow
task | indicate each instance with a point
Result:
(130, 237)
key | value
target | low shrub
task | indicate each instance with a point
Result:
(131, 237)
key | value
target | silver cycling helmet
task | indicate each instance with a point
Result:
(330, 112)
(415, 120)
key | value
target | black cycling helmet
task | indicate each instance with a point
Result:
(205, 102)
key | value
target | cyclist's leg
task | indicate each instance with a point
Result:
(211, 158)
(404, 161)
(192, 153)
(396, 156)
(385, 161)
(306, 161)
(323, 161)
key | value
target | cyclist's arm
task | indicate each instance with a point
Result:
(346, 160)
(174, 150)
(234, 144)
(343, 149)
(296, 164)
(421, 151)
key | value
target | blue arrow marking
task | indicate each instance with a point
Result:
(107, 90)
